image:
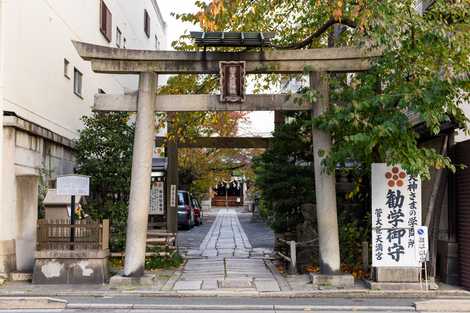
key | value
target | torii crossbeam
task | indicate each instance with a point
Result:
(127, 61)
(197, 103)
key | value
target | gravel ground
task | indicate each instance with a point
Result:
(191, 239)
(259, 234)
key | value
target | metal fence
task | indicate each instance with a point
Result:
(62, 235)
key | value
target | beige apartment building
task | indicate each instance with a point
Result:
(45, 88)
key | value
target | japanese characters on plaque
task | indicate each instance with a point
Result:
(156, 199)
(422, 244)
(396, 213)
(232, 81)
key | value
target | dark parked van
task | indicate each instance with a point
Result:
(185, 210)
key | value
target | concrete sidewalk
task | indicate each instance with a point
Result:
(27, 289)
(139, 304)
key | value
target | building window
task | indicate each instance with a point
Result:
(124, 43)
(77, 82)
(157, 43)
(118, 37)
(66, 68)
(147, 23)
(106, 22)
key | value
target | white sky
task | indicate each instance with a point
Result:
(259, 123)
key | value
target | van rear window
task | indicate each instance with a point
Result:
(180, 198)
(183, 198)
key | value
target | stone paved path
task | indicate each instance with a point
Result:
(226, 260)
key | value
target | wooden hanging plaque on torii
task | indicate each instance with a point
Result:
(232, 81)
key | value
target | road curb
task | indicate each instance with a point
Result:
(18, 303)
(251, 294)
(444, 305)
(202, 307)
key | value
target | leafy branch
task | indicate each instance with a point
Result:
(308, 41)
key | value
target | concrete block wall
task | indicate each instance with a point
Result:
(29, 152)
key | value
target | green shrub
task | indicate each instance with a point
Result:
(284, 175)
(171, 260)
(104, 152)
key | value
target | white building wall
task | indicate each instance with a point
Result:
(35, 38)
(38, 37)
(2, 49)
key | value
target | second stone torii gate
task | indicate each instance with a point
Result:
(147, 64)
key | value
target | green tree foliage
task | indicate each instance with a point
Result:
(202, 169)
(284, 177)
(104, 152)
(423, 68)
(284, 174)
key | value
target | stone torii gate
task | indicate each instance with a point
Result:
(148, 64)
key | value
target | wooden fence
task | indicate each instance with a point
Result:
(87, 235)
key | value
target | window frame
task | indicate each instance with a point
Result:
(118, 37)
(77, 83)
(106, 18)
(66, 68)
(147, 23)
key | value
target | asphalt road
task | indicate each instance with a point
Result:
(191, 239)
(259, 234)
(188, 311)
(234, 301)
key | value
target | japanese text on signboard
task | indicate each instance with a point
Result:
(396, 212)
(156, 199)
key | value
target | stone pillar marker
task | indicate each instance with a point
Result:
(144, 137)
(325, 184)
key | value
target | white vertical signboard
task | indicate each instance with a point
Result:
(173, 195)
(156, 199)
(396, 212)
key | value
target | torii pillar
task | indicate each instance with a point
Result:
(325, 184)
(137, 221)
(172, 178)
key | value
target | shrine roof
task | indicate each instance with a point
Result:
(232, 39)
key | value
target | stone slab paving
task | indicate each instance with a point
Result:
(226, 260)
